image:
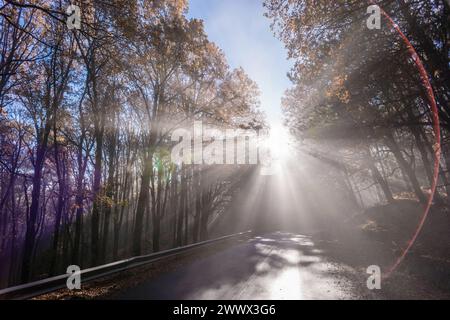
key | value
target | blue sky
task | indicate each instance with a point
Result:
(239, 28)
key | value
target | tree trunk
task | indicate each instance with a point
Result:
(180, 220)
(378, 177)
(390, 142)
(109, 188)
(30, 234)
(96, 189)
(141, 205)
(61, 173)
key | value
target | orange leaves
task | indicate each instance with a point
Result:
(337, 89)
(3, 112)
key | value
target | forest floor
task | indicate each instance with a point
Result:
(379, 236)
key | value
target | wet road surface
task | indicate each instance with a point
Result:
(275, 266)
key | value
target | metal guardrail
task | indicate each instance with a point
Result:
(36, 288)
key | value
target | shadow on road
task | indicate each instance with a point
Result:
(274, 266)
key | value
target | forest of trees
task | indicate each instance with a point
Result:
(359, 100)
(85, 121)
(86, 117)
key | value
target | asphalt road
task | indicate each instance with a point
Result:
(274, 266)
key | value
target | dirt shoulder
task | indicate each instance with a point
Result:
(379, 235)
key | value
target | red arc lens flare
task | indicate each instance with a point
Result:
(437, 133)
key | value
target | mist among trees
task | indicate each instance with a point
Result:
(86, 118)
